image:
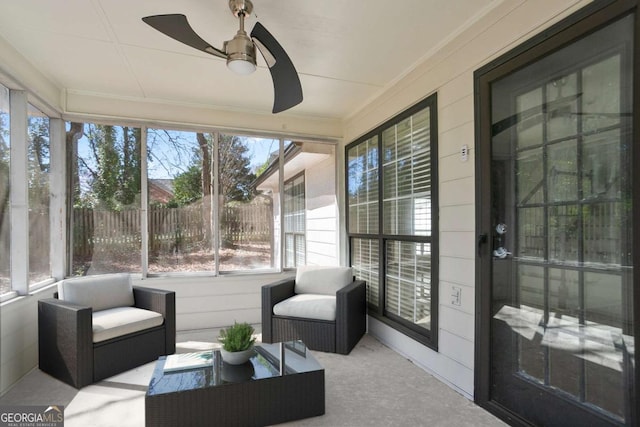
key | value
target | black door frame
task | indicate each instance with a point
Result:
(588, 19)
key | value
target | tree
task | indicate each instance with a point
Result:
(130, 165)
(235, 173)
(187, 186)
(39, 161)
(5, 155)
(112, 170)
(236, 177)
(75, 132)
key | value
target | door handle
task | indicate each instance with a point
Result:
(501, 253)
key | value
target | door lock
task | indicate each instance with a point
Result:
(501, 253)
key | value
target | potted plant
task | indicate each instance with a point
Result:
(237, 343)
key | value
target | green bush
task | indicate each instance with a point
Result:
(238, 337)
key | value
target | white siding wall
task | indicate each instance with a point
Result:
(18, 338)
(450, 73)
(214, 302)
(322, 214)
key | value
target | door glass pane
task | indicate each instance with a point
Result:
(562, 337)
(530, 177)
(562, 172)
(605, 350)
(562, 107)
(601, 91)
(561, 185)
(529, 118)
(526, 319)
(601, 170)
(602, 233)
(531, 233)
(564, 237)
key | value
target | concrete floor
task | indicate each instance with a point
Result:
(372, 386)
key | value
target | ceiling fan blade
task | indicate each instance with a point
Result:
(177, 27)
(286, 83)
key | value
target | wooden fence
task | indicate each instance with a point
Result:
(169, 228)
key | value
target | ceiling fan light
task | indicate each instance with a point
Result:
(241, 66)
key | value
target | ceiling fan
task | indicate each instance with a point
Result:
(240, 51)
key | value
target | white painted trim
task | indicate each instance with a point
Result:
(8, 296)
(167, 114)
(17, 73)
(341, 200)
(281, 160)
(215, 203)
(57, 202)
(19, 189)
(436, 364)
(144, 204)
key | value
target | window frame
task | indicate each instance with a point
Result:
(427, 337)
(277, 239)
(21, 105)
(286, 214)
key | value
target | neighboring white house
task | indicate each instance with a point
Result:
(310, 203)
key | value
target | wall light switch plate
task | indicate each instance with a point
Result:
(464, 153)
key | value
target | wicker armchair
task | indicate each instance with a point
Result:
(313, 324)
(81, 342)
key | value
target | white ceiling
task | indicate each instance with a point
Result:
(346, 52)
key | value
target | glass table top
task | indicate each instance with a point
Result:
(207, 369)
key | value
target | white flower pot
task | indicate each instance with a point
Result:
(237, 357)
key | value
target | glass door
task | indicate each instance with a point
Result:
(560, 245)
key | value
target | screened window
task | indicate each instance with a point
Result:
(391, 188)
(180, 201)
(246, 213)
(210, 201)
(294, 222)
(187, 229)
(105, 198)
(5, 163)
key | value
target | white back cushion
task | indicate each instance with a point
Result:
(311, 279)
(100, 292)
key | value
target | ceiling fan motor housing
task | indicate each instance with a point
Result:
(240, 48)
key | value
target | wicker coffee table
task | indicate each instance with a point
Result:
(261, 392)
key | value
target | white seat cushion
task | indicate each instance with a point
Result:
(308, 306)
(322, 280)
(119, 321)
